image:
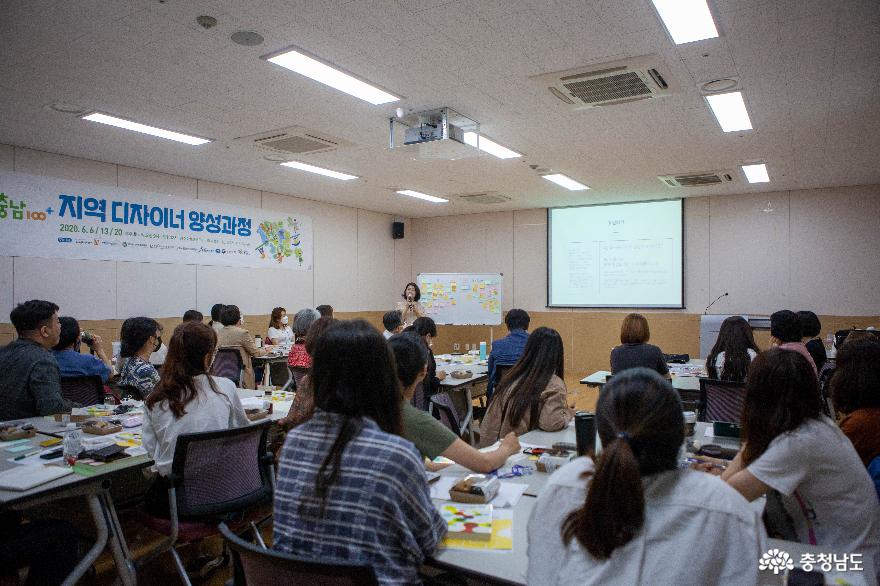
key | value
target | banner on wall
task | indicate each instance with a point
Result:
(56, 218)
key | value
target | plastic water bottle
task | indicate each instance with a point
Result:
(482, 350)
(72, 444)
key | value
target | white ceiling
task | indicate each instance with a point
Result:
(810, 71)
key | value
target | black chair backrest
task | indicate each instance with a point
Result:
(258, 566)
(443, 404)
(228, 364)
(85, 390)
(220, 472)
(722, 400)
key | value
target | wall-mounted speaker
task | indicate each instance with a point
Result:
(397, 230)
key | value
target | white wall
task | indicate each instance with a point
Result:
(357, 266)
(818, 249)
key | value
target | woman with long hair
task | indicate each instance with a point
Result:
(733, 351)
(532, 394)
(188, 399)
(349, 488)
(140, 337)
(791, 447)
(855, 390)
(427, 331)
(304, 400)
(430, 436)
(644, 520)
(279, 333)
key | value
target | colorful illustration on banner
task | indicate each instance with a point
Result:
(282, 241)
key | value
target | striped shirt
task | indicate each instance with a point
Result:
(378, 511)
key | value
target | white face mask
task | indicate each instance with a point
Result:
(284, 320)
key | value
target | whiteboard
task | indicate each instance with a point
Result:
(462, 299)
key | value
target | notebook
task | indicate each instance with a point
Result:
(27, 477)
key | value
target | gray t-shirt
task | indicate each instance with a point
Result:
(697, 530)
(635, 355)
(825, 488)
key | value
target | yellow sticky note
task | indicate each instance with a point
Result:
(452, 285)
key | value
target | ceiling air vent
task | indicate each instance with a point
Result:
(292, 142)
(486, 197)
(697, 179)
(607, 84)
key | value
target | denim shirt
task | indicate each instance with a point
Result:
(505, 352)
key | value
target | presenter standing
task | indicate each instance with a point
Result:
(411, 308)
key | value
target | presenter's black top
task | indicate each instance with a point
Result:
(635, 355)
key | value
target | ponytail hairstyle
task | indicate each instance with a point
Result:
(190, 343)
(641, 426)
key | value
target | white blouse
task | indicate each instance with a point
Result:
(284, 336)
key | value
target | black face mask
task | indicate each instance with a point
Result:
(158, 343)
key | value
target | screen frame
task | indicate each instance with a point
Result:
(680, 200)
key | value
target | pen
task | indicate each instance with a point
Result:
(23, 456)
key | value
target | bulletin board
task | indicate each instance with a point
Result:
(462, 299)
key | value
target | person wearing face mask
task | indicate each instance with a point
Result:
(279, 332)
(411, 308)
(140, 337)
(234, 334)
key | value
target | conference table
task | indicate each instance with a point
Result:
(685, 377)
(510, 566)
(95, 487)
(470, 387)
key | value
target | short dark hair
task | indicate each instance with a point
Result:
(418, 291)
(425, 326)
(856, 380)
(325, 310)
(134, 334)
(193, 315)
(517, 319)
(230, 315)
(810, 324)
(785, 326)
(32, 315)
(217, 311)
(411, 356)
(69, 333)
(392, 320)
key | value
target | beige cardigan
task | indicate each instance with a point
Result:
(554, 415)
(234, 336)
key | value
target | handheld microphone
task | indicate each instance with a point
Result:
(725, 294)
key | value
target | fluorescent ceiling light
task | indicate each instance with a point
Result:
(730, 111)
(151, 130)
(423, 196)
(756, 173)
(319, 170)
(565, 181)
(312, 68)
(686, 20)
(489, 146)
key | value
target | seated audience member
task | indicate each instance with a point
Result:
(791, 447)
(304, 400)
(140, 337)
(325, 310)
(644, 520)
(507, 350)
(785, 333)
(733, 351)
(298, 358)
(71, 362)
(634, 349)
(193, 315)
(532, 395)
(216, 314)
(431, 437)
(393, 322)
(233, 334)
(347, 473)
(29, 380)
(279, 332)
(186, 400)
(855, 390)
(811, 330)
(430, 385)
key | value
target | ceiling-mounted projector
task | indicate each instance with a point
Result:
(439, 133)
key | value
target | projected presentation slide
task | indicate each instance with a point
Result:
(620, 255)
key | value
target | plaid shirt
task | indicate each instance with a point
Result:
(378, 511)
